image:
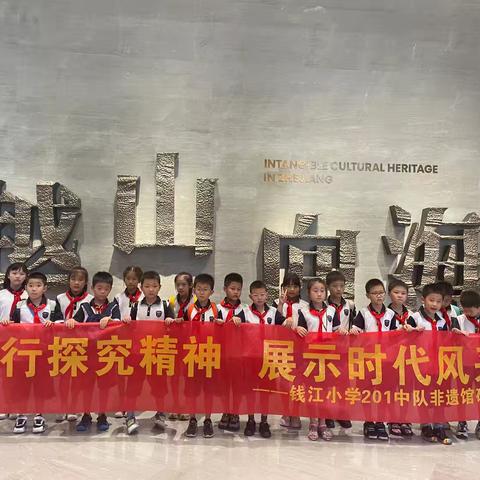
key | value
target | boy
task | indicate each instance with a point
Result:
(346, 312)
(151, 307)
(468, 323)
(35, 309)
(448, 311)
(231, 309)
(203, 310)
(427, 318)
(374, 318)
(260, 313)
(100, 310)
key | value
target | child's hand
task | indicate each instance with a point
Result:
(5, 322)
(169, 321)
(70, 323)
(420, 329)
(104, 321)
(355, 330)
(460, 332)
(126, 319)
(179, 320)
(47, 323)
(408, 328)
(342, 331)
(301, 331)
(283, 297)
(237, 321)
(219, 321)
(288, 322)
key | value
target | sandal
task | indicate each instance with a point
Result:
(313, 432)
(406, 429)
(325, 433)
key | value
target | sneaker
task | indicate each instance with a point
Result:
(295, 423)
(344, 423)
(60, 418)
(477, 431)
(406, 429)
(160, 420)
(207, 428)
(330, 423)
(85, 422)
(13, 416)
(285, 421)
(183, 417)
(250, 428)
(369, 430)
(39, 425)
(192, 428)
(20, 424)
(428, 434)
(395, 429)
(442, 437)
(132, 425)
(462, 431)
(102, 423)
(3, 416)
(224, 421)
(173, 416)
(264, 430)
(119, 414)
(381, 431)
(234, 424)
(72, 417)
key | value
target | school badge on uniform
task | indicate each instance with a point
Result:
(45, 315)
(329, 318)
(387, 323)
(158, 313)
(346, 311)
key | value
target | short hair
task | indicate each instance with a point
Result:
(469, 299)
(335, 276)
(291, 278)
(38, 276)
(257, 284)
(102, 277)
(446, 288)
(432, 288)
(396, 282)
(204, 278)
(313, 281)
(12, 268)
(136, 270)
(233, 278)
(372, 283)
(184, 274)
(151, 275)
(78, 269)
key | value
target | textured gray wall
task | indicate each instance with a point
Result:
(91, 89)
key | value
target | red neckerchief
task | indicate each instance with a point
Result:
(100, 308)
(133, 299)
(231, 308)
(319, 314)
(36, 310)
(261, 316)
(182, 306)
(17, 296)
(378, 316)
(290, 307)
(200, 312)
(73, 301)
(475, 321)
(446, 316)
(401, 318)
(338, 308)
(431, 321)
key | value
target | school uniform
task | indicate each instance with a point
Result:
(126, 301)
(197, 313)
(269, 316)
(226, 311)
(403, 318)
(27, 312)
(421, 319)
(450, 315)
(90, 313)
(9, 299)
(468, 324)
(67, 304)
(369, 320)
(158, 310)
(179, 308)
(291, 309)
(346, 312)
(323, 320)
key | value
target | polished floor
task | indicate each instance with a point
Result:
(62, 453)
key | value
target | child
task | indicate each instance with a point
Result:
(448, 311)
(288, 304)
(318, 317)
(231, 309)
(261, 314)
(36, 309)
(468, 323)
(151, 307)
(374, 318)
(203, 310)
(132, 294)
(100, 310)
(13, 291)
(398, 293)
(427, 318)
(346, 313)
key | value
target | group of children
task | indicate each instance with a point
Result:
(23, 300)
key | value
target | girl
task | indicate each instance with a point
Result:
(289, 305)
(318, 317)
(132, 294)
(13, 291)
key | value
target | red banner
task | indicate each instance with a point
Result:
(200, 367)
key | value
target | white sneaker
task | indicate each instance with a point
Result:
(3, 416)
(119, 414)
(60, 418)
(160, 420)
(20, 424)
(72, 417)
(285, 421)
(132, 425)
(39, 425)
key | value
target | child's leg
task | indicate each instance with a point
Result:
(313, 429)
(131, 423)
(250, 427)
(324, 431)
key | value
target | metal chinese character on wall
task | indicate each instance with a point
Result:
(308, 254)
(40, 235)
(435, 250)
(126, 208)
